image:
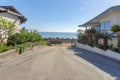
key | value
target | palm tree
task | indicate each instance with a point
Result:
(116, 29)
(90, 32)
(96, 36)
(105, 37)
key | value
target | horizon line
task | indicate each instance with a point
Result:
(56, 31)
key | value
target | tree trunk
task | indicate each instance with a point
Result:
(96, 39)
(87, 39)
(118, 35)
(84, 38)
(90, 39)
(105, 42)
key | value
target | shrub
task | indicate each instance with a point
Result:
(99, 46)
(23, 37)
(115, 49)
(21, 48)
(20, 41)
(90, 44)
(110, 46)
(4, 48)
(44, 42)
(82, 39)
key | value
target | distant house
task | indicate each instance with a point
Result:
(12, 15)
(104, 21)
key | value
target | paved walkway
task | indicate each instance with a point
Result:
(107, 65)
(60, 63)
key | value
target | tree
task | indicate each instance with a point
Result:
(90, 32)
(6, 28)
(81, 36)
(96, 36)
(80, 31)
(105, 36)
(116, 29)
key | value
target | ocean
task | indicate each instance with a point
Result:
(58, 35)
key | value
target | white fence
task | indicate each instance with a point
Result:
(108, 53)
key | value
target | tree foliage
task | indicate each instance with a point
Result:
(90, 31)
(23, 36)
(6, 28)
(115, 28)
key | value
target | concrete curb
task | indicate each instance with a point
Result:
(4, 54)
(7, 53)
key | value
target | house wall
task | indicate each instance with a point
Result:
(114, 18)
(114, 42)
(12, 18)
(110, 42)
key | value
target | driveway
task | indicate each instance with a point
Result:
(60, 63)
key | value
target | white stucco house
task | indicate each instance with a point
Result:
(104, 21)
(12, 15)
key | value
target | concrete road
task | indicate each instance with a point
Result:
(60, 63)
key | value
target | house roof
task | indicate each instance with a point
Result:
(106, 12)
(13, 11)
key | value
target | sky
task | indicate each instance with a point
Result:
(58, 15)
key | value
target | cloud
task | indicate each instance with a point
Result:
(86, 3)
(84, 6)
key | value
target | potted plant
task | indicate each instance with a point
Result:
(116, 29)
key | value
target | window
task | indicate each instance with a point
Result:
(105, 26)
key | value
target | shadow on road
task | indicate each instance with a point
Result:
(103, 63)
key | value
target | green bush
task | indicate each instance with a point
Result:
(22, 40)
(4, 48)
(114, 49)
(99, 46)
(21, 48)
(23, 37)
(82, 39)
(110, 46)
(90, 44)
(44, 42)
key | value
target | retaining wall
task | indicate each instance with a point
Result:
(108, 53)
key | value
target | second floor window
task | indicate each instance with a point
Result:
(105, 26)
